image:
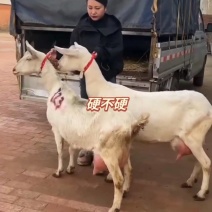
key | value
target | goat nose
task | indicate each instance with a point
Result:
(14, 71)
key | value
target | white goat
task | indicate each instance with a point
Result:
(181, 117)
(107, 133)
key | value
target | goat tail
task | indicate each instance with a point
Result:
(140, 123)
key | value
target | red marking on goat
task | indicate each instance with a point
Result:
(57, 99)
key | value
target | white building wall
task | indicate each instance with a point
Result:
(206, 7)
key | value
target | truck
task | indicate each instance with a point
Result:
(164, 41)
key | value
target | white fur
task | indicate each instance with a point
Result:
(174, 116)
(107, 133)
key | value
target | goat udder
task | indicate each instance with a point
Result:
(182, 149)
(100, 166)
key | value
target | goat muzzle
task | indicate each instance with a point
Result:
(14, 71)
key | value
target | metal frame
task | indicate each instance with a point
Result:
(61, 29)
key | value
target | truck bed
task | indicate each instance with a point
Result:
(135, 69)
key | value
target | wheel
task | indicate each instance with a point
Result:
(175, 82)
(199, 78)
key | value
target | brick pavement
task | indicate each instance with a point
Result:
(28, 158)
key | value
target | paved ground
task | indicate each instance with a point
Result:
(28, 158)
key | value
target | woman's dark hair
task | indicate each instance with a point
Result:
(103, 2)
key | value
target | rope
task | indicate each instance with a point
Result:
(154, 7)
(154, 39)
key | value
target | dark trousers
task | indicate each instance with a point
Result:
(83, 92)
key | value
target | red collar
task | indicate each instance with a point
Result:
(94, 56)
(48, 55)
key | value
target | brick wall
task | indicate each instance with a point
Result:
(207, 19)
(5, 16)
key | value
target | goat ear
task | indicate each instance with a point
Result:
(31, 50)
(78, 46)
(63, 51)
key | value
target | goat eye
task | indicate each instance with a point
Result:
(28, 58)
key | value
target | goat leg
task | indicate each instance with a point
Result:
(70, 169)
(59, 144)
(118, 180)
(127, 177)
(193, 178)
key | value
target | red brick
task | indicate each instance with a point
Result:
(25, 194)
(2, 172)
(35, 174)
(3, 180)
(30, 210)
(58, 208)
(7, 157)
(47, 170)
(5, 189)
(6, 207)
(31, 204)
(7, 198)
(13, 168)
(81, 206)
(32, 151)
(52, 199)
(18, 184)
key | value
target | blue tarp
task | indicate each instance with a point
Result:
(133, 14)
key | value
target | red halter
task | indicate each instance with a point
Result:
(94, 56)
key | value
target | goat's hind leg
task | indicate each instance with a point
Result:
(118, 180)
(127, 177)
(71, 167)
(194, 140)
(194, 176)
(59, 144)
(205, 163)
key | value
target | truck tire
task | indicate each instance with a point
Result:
(199, 78)
(175, 82)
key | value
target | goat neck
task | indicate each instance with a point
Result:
(93, 75)
(49, 76)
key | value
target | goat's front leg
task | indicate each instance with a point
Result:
(70, 169)
(118, 180)
(59, 144)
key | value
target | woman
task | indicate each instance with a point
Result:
(100, 32)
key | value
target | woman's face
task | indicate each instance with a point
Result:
(95, 10)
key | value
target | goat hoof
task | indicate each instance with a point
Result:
(197, 198)
(185, 185)
(116, 210)
(56, 175)
(71, 170)
(125, 194)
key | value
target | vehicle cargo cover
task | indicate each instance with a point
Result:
(135, 15)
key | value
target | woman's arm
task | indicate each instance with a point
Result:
(113, 46)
